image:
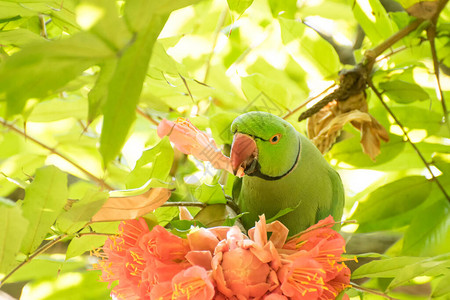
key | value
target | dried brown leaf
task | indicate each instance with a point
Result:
(325, 126)
(116, 209)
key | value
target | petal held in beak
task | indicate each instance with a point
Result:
(243, 150)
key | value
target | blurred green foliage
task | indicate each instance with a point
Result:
(83, 84)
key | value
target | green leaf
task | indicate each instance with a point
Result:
(349, 152)
(239, 6)
(429, 232)
(104, 22)
(44, 199)
(153, 163)
(81, 211)
(286, 8)
(18, 37)
(308, 49)
(210, 194)
(125, 88)
(442, 161)
(12, 230)
(383, 208)
(47, 265)
(265, 94)
(71, 285)
(442, 288)
(403, 92)
(58, 109)
(97, 95)
(81, 244)
(428, 267)
(385, 267)
(31, 67)
(281, 213)
(373, 19)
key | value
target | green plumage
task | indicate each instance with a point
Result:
(290, 173)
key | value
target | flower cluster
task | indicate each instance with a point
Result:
(223, 263)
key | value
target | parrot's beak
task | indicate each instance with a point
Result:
(243, 154)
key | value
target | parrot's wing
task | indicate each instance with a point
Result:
(337, 201)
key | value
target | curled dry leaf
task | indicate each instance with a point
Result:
(325, 126)
(125, 208)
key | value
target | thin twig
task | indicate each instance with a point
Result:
(427, 165)
(219, 26)
(146, 116)
(290, 113)
(431, 34)
(43, 26)
(36, 253)
(54, 151)
(181, 203)
(370, 291)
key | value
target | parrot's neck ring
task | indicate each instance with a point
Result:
(257, 172)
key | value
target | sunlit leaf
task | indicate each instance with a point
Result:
(44, 199)
(125, 88)
(384, 268)
(91, 241)
(47, 265)
(383, 208)
(30, 67)
(12, 230)
(373, 19)
(428, 233)
(403, 92)
(211, 194)
(81, 211)
(442, 288)
(71, 285)
(308, 49)
(239, 6)
(428, 267)
(154, 163)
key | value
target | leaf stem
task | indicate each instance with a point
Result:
(370, 291)
(40, 250)
(181, 203)
(405, 133)
(100, 181)
(146, 116)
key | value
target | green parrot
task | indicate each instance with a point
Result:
(279, 168)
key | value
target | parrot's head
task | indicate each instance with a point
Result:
(264, 145)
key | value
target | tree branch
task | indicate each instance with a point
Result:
(181, 203)
(100, 181)
(146, 116)
(431, 34)
(40, 250)
(427, 165)
(370, 291)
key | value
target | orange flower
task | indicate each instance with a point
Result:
(192, 283)
(190, 140)
(123, 260)
(315, 255)
(223, 263)
(302, 279)
(237, 271)
(164, 245)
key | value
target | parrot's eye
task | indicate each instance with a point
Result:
(275, 139)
